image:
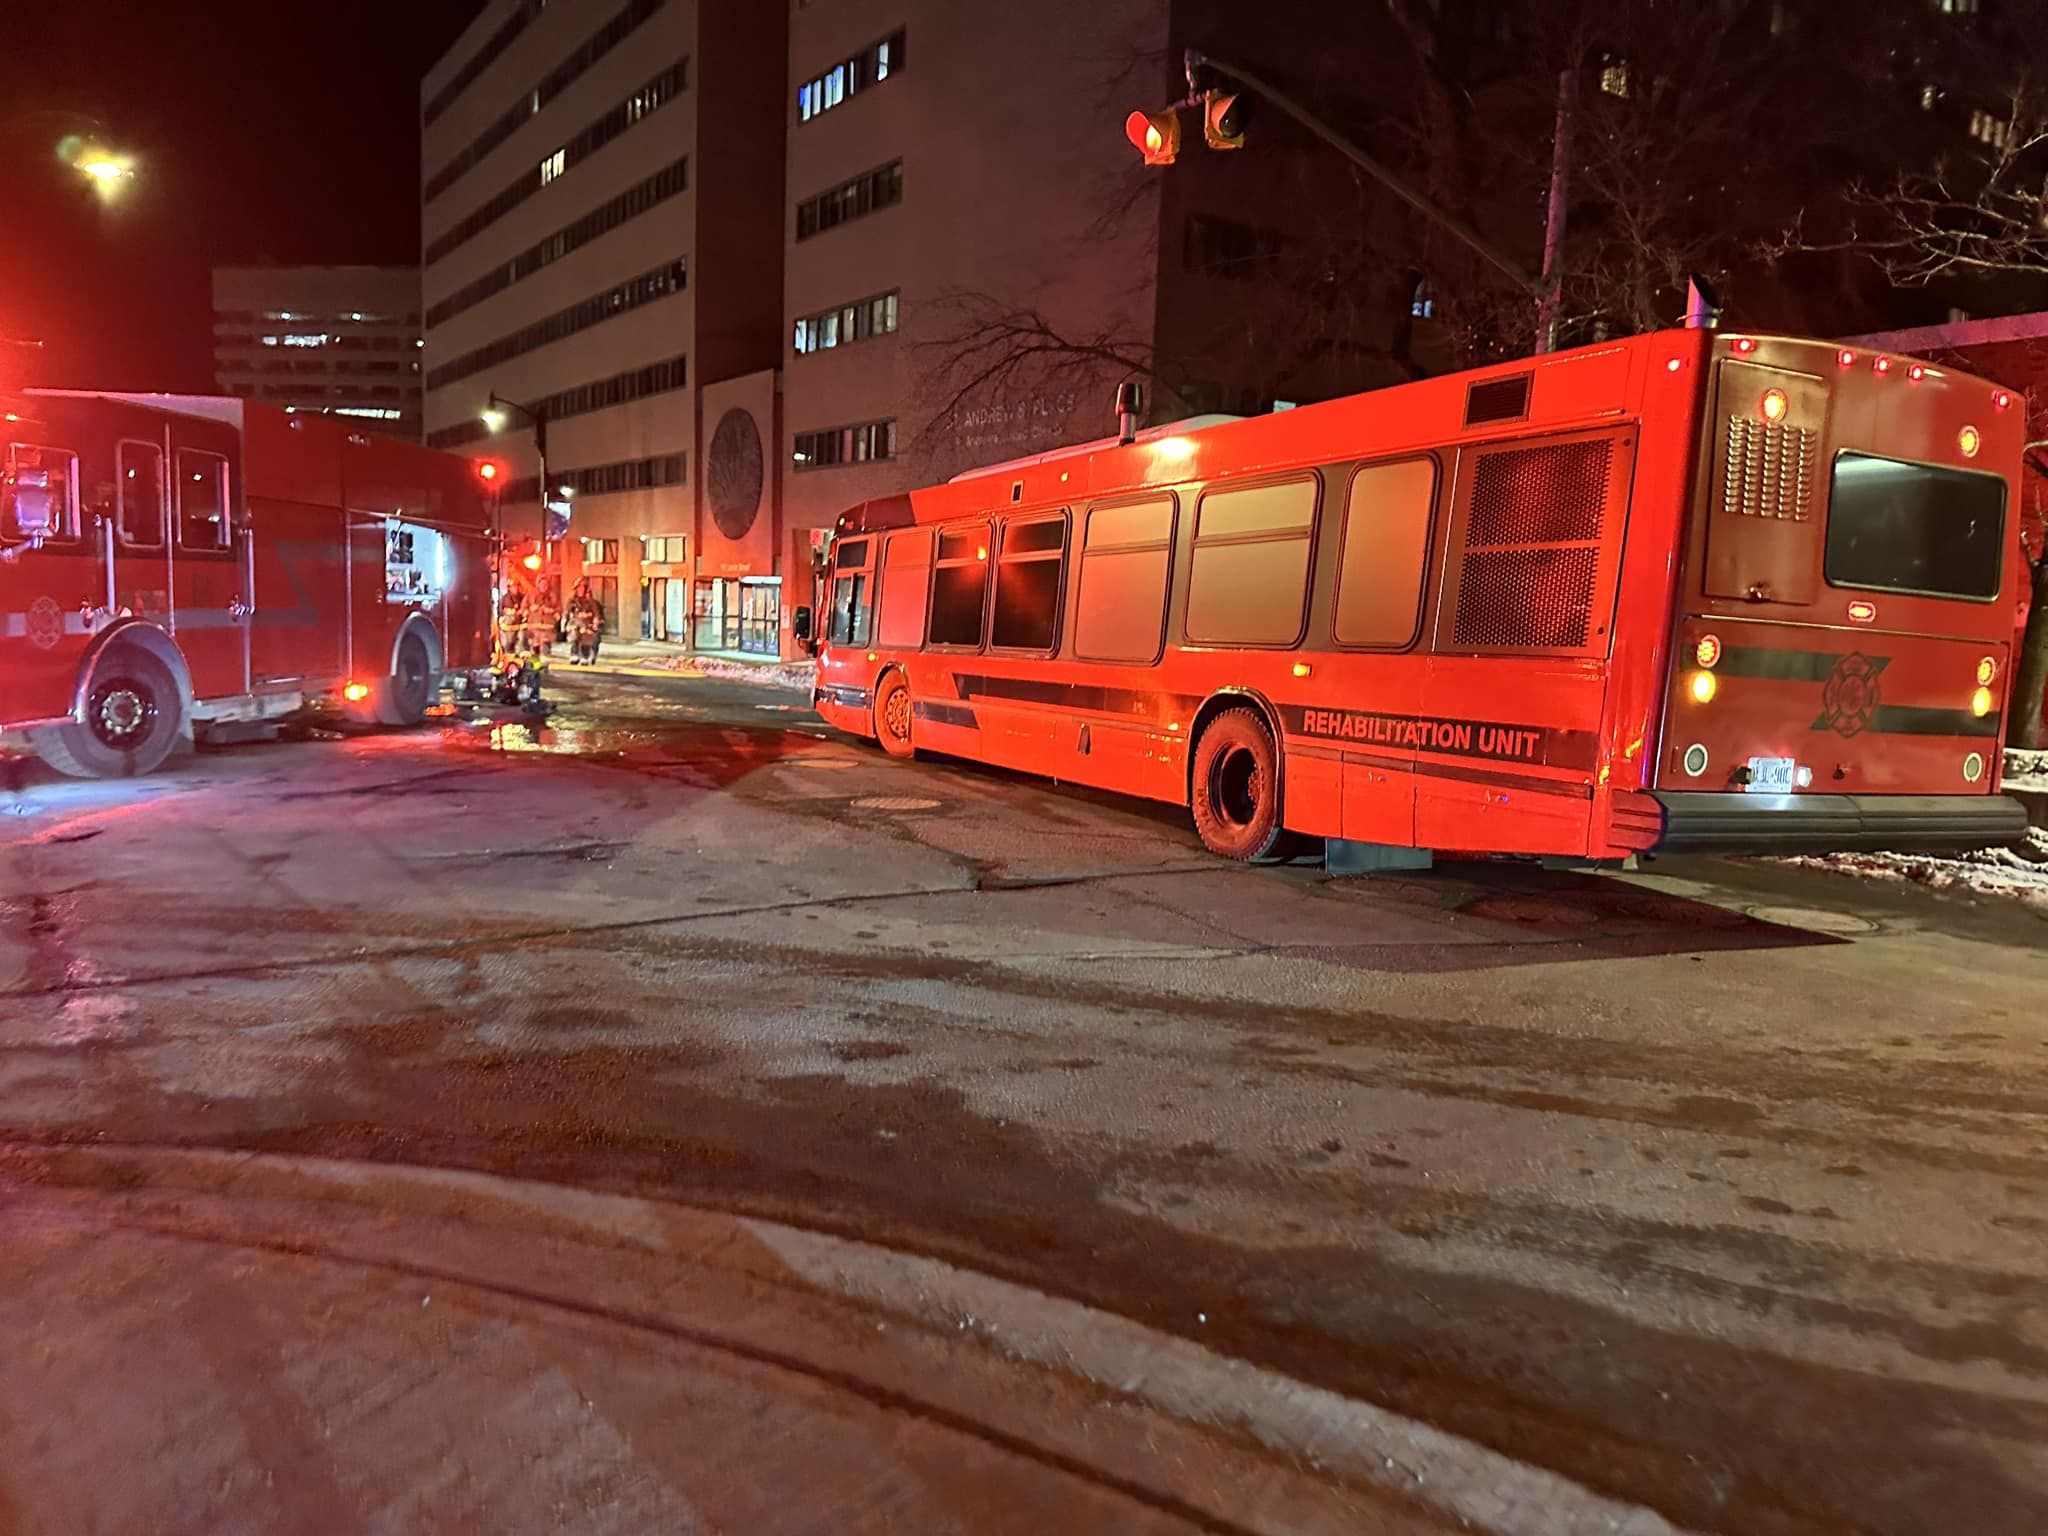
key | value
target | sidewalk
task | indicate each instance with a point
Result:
(663, 658)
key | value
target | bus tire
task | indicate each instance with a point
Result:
(134, 715)
(893, 715)
(403, 697)
(1235, 794)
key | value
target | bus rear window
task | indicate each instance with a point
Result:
(1898, 527)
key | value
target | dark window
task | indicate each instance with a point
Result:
(605, 479)
(854, 199)
(557, 80)
(634, 384)
(1387, 518)
(140, 468)
(1248, 576)
(484, 57)
(960, 587)
(663, 88)
(1120, 601)
(1028, 586)
(202, 500)
(869, 440)
(852, 555)
(1896, 527)
(907, 559)
(853, 593)
(669, 278)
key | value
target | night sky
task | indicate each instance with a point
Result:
(281, 132)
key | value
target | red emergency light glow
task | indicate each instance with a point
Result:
(2000, 399)
(1845, 357)
(355, 693)
(1882, 365)
(532, 562)
(1745, 344)
(1916, 373)
(487, 471)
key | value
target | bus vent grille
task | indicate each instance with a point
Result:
(1768, 471)
(1497, 400)
(1526, 598)
(1532, 544)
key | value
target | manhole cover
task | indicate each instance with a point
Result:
(1813, 919)
(895, 803)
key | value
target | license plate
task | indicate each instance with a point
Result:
(1770, 776)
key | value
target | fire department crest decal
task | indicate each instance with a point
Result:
(1851, 694)
(45, 623)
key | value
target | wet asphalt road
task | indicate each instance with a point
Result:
(1720, 1191)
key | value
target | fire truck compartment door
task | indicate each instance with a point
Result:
(210, 576)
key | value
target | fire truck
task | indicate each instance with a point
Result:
(180, 568)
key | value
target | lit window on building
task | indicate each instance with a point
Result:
(1614, 78)
(865, 442)
(848, 78)
(553, 166)
(1422, 303)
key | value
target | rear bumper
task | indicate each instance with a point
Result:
(1706, 822)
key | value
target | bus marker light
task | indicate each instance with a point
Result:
(1704, 687)
(1969, 440)
(1916, 373)
(1674, 365)
(1302, 669)
(981, 552)
(1987, 669)
(874, 656)
(1980, 703)
(1708, 651)
(1696, 759)
(1862, 613)
(1882, 365)
(1745, 344)
(1973, 767)
(1845, 357)
(355, 693)
(2000, 399)
(1775, 405)
(1803, 776)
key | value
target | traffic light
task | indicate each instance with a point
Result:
(1156, 135)
(488, 470)
(1223, 116)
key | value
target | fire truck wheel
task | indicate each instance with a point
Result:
(403, 697)
(1236, 792)
(133, 717)
(892, 715)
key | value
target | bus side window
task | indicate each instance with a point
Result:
(1028, 580)
(139, 468)
(1248, 575)
(960, 586)
(906, 586)
(202, 501)
(1120, 595)
(1387, 516)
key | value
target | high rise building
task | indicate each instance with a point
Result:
(599, 207)
(340, 341)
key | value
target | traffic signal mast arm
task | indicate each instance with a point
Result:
(1449, 222)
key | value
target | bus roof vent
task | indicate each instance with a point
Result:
(1497, 400)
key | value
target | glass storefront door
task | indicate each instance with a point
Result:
(760, 617)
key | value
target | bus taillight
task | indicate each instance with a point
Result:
(1981, 702)
(1704, 686)
(1708, 651)
(1969, 440)
(1987, 670)
(1775, 405)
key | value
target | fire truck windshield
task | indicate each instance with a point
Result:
(1899, 527)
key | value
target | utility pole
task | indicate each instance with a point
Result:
(1550, 294)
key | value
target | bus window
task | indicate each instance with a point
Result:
(140, 471)
(960, 586)
(1028, 580)
(58, 474)
(906, 582)
(1385, 546)
(202, 500)
(1120, 600)
(1899, 527)
(1248, 577)
(853, 593)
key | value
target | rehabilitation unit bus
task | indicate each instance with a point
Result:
(175, 567)
(1684, 591)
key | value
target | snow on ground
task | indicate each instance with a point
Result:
(798, 675)
(2026, 770)
(2017, 874)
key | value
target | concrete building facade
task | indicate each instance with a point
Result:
(340, 341)
(596, 250)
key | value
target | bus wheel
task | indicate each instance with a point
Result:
(133, 717)
(403, 697)
(1236, 793)
(892, 715)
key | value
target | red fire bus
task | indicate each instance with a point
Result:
(183, 566)
(1684, 591)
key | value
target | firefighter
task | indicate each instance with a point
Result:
(512, 622)
(585, 618)
(543, 616)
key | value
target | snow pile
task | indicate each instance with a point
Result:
(798, 675)
(2018, 874)
(2025, 770)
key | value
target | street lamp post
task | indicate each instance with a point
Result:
(497, 414)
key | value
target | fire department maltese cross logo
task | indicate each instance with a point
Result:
(1851, 695)
(45, 623)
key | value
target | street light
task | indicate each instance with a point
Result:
(497, 415)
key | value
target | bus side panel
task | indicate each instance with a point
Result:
(1513, 754)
